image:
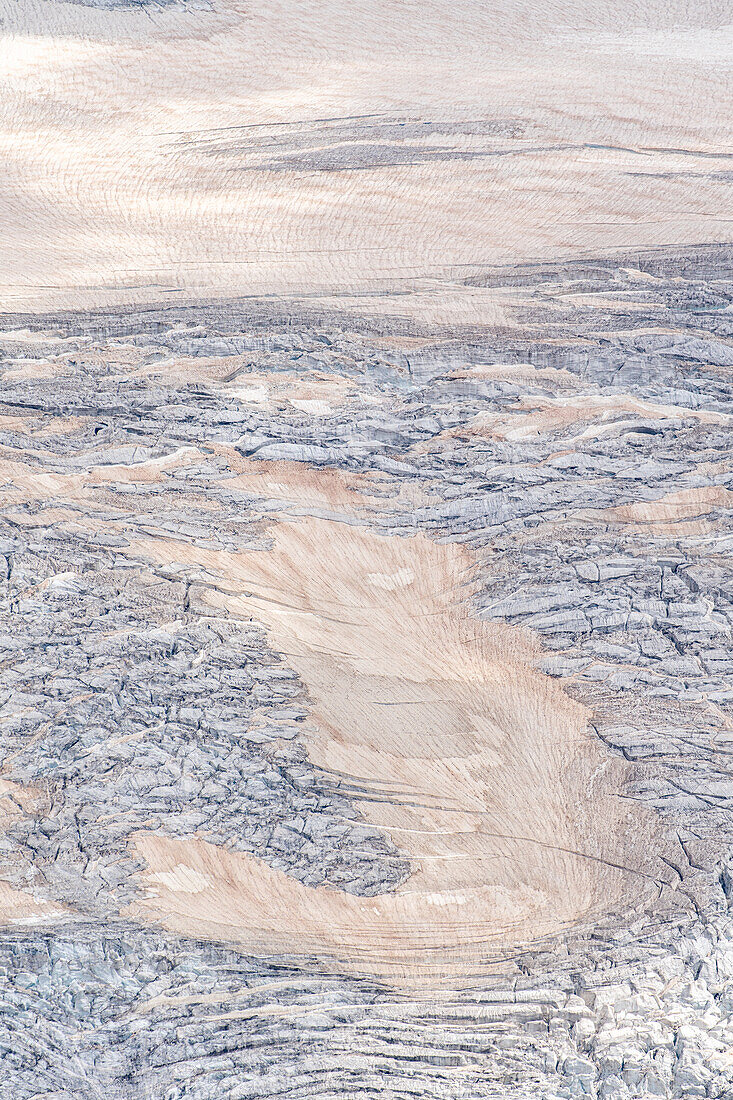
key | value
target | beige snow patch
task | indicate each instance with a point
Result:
(533, 416)
(40, 425)
(17, 907)
(520, 372)
(480, 769)
(296, 483)
(684, 505)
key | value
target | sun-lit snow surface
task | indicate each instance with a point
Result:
(254, 148)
